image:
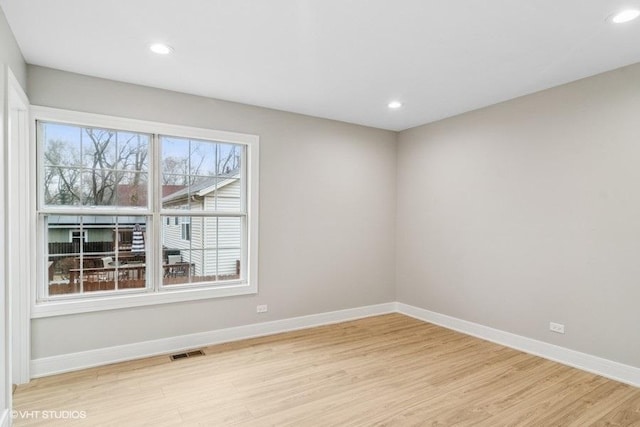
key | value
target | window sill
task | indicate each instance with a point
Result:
(114, 302)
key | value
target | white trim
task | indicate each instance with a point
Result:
(45, 306)
(251, 173)
(5, 418)
(114, 301)
(87, 359)
(126, 124)
(5, 294)
(20, 235)
(586, 362)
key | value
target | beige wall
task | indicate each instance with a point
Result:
(511, 216)
(528, 212)
(327, 214)
(10, 54)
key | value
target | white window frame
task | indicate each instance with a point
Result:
(82, 236)
(154, 294)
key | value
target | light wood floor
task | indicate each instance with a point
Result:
(385, 370)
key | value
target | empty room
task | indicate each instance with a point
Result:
(320, 213)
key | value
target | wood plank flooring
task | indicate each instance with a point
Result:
(387, 370)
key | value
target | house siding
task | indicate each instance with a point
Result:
(214, 241)
(62, 235)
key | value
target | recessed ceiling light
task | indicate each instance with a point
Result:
(160, 48)
(394, 105)
(625, 16)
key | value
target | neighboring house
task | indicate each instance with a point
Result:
(63, 229)
(66, 229)
(212, 245)
(71, 246)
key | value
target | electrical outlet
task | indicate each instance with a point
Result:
(556, 327)
(262, 308)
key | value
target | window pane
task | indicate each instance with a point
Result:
(172, 242)
(175, 191)
(227, 196)
(229, 264)
(93, 253)
(133, 152)
(62, 186)
(63, 253)
(193, 266)
(202, 193)
(203, 157)
(229, 233)
(132, 189)
(99, 187)
(229, 156)
(204, 266)
(176, 266)
(90, 166)
(201, 175)
(175, 155)
(212, 252)
(99, 148)
(204, 233)
(61, 144)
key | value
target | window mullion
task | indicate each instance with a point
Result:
(156, 204)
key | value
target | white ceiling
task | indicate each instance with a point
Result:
(339, 59)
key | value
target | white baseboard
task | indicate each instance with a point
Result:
(86, 359)
(596, 365)
(4, 418)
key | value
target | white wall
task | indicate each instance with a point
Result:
(10, 57)
(327, 214)
(528, 212)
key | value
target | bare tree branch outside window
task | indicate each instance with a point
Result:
(91, 171)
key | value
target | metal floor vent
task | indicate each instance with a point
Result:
(187, 354)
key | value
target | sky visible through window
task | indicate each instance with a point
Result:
(171, 147)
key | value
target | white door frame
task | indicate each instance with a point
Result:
(5, 347)
(20, 233)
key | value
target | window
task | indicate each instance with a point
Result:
(204, 182)
(111, 187)
(77, 236)
(186, 231)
